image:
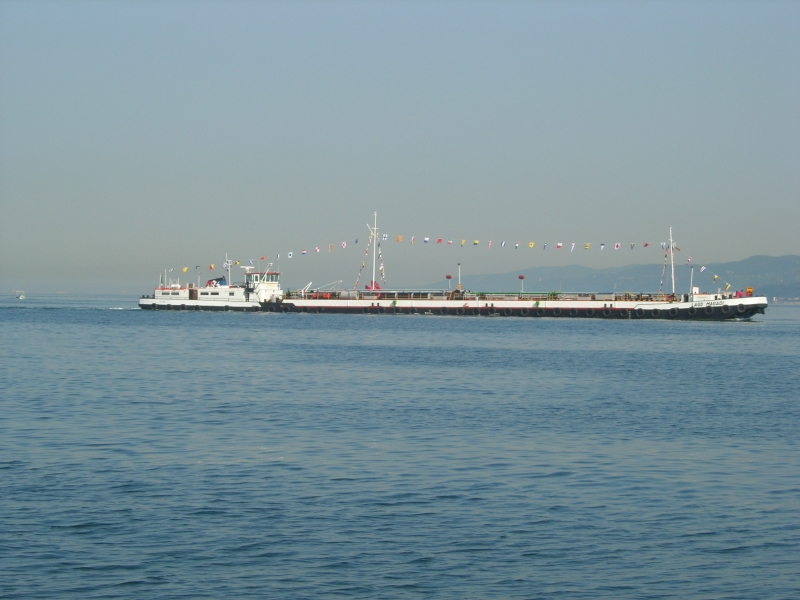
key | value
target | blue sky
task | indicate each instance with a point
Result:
(136, 136)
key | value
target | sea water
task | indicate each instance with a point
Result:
(208, 455)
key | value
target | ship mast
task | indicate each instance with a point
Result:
(374, 232)
(672, 260)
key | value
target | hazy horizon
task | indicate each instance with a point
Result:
(141, 136)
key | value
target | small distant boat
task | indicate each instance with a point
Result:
(20, 295)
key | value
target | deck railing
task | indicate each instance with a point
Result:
(479, 296)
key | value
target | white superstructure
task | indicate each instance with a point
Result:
(218, 294)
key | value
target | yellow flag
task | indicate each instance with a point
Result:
(237, 262)
(476, 242)
(727, 286)
(184, 269)
(399, 238)
(211, 266)
(716, 277)
(463, 242)
(586, 247)
(531, 245)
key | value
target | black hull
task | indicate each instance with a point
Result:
(716, 313)
(701, 314)
(181, 307)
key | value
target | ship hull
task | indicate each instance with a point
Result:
(712, 310)
(743, 308)
(167, 304)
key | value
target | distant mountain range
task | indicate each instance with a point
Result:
(771, 276)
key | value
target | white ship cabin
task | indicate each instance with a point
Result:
(258, 287)
(264, 285)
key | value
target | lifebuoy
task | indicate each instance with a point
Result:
(459, 311)
(540, 312)
(443, 310)
(709, 310)
(740, 309)
(524, 312)
(606, 312)
(507, 312)
(655, 313)
(673, 312)
(623, 313)
(589, 312)
(692, 311)
(726, 309)
(556, 312)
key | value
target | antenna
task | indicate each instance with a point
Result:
(672, 260)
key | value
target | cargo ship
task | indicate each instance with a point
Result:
(261, 291)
